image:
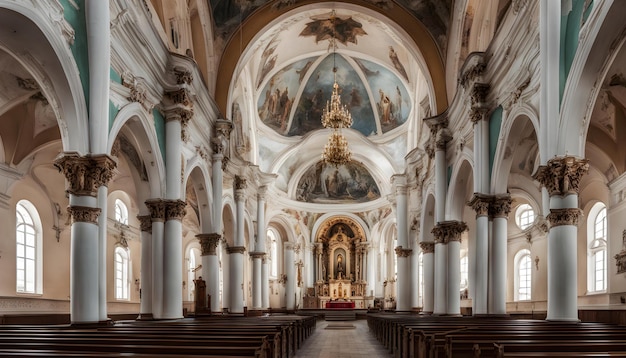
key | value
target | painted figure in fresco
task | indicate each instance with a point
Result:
(384, 107)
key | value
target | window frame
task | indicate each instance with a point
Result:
(522, 219)
(25, 208)
(121, 215)
(121, 283)
(519, 265)
(597, 247)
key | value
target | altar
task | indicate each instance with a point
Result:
(340, 304)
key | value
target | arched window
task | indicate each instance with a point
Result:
(192, 268)
(523, 272)
(121, 274)
(524, 216)
(28, 248)
(271, 235)
(121, 212)
(597, 236)
(464, 273)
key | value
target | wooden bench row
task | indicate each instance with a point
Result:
(263, 337)
(427, 336)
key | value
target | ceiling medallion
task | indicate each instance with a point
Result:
(336, 117)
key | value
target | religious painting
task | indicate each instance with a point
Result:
(328, 26)
(317, 92)
(276, 99)
(348, 183)
(242, 141)
(227, 14)
(268, 61)
(391, 97)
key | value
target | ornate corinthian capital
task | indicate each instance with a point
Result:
(174, 210)
(501, 206)
(84, 214)
(400, 252)
(157, 209)
(447, 231)
(569, 216)
(85, 174)
(480, 203)
(427, 247)
(561, 176)
(208, 243)
(145, 223)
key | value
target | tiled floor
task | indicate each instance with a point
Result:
(342, 343)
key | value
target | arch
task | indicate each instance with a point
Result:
(199, 176)
(255, 24)
(428, 218)
(229, 224)
(141, 124)
(597, 248)
(46, 44)
(461, 186)
(522, 271)
(29, 270)
(516, 126)
(326, 221)
(121, 273)
(601, 40)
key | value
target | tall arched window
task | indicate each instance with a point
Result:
(523, 275)
(597, 235)
(271, 235)
(28, 248)
(121, 212)
(121, 274)
(524, 216)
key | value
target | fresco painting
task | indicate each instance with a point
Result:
(347, 183)
(390, 95)
(317, 92)
(276, 99)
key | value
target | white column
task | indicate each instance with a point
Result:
(208, 244)
(102, 253)
(480, 204)
(85, 175)
(145, 293)
(157, 213)
(428, 251)
(265, 288)
(98, 25)
(290, 285)
(415, 267)
(84, 260)
(549, 53)
(259, 252)
(236, 252)
(501, 208)
(440, 275)
(561, 177)
(217, 192)
(454, 276)
(403, 285)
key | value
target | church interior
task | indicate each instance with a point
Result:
(412, 162)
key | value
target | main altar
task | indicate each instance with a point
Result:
(341, 261)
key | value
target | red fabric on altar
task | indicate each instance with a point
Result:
(339, 304)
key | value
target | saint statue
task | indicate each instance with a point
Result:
(340, 271)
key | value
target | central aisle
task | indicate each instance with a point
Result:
(342, 342)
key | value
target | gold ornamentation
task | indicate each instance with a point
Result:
(85, 174)
(145, 223)
(208, 243)
(157, 209)
(427, 247)
(561, 176)
(568, 216)
(236, 249)
(174, 210)
(83, 214)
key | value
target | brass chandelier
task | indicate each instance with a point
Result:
(336, 117)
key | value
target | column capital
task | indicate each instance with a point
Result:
(562, 175)
(257, 255)
(288, 245)
(85, 174)
(145, 223)
(446, 231)
(480, 203)
(236, 250)
(241, 183)
(261, 192)
(157, 209)
(478, 95)
(428, 247)
(501, 206)
(400, 252)
(174, 209)
(83, 214)
(208, 243)
(399, 183)
(568, 216)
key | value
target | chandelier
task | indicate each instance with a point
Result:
(336, 117)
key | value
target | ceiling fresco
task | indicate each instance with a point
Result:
(347, 183)
(377, 105)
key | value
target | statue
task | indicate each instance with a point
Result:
(340, 271)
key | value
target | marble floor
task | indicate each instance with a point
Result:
(339, 340)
